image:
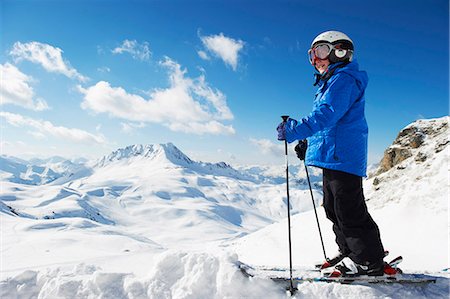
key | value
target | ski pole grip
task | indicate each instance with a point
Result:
(285, 118)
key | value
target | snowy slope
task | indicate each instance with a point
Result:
(39, 171)
(416, 190)
(147, 221)
(19, 171)
(146, 196)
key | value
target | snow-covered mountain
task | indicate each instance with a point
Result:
(37, 171)
(416, 162)
(146, 221)
(159, 187)
(153, 156)
(19, 171)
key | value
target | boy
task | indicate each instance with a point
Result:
(337, 142)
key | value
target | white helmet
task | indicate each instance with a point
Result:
(331, 37)
(343, 45)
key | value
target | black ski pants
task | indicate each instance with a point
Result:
(357, 234)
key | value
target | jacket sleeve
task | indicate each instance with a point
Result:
(334, 103)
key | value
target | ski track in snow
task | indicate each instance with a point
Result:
(148, 222)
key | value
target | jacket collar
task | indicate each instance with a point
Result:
(321, 79)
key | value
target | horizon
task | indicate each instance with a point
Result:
(84, 160)
(82, 79)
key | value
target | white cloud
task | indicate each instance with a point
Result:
(130, 127)
(38, 135)
(137, 51)
(187, 105)
(104, 69)
(268, 147)
(225, 48)
(15, 89)
(45, 128)
(41, 105)
(203, 55)
(49, 57)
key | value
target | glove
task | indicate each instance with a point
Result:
(300, 149)
(281, 129)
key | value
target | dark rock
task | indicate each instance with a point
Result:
(421, 157)
(376, 181)
(440, 146)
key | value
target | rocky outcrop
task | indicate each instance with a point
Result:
(410, 141)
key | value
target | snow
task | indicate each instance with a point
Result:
(146, 221)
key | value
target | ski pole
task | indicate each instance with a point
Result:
(315, 212)
(291, 289)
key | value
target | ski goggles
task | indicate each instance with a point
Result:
(320, 51)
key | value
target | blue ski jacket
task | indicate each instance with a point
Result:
(336, 128)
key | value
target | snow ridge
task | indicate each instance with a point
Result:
(167, 151)
(19, 171)
(169, 155)
(420, 140)
(418, 158)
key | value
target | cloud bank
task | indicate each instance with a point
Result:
(187, 105)
(15, 89)
(268, 147)
(45, 128)
(49, 57)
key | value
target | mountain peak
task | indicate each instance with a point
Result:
(166, 151)
(165, 155)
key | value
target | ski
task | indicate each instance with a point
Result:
(386, 279)
(268, 271)
(393, 275)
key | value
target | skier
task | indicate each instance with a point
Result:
(336, 132)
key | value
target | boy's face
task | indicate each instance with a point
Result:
(321, 65)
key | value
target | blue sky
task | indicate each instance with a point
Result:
(82, 78)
